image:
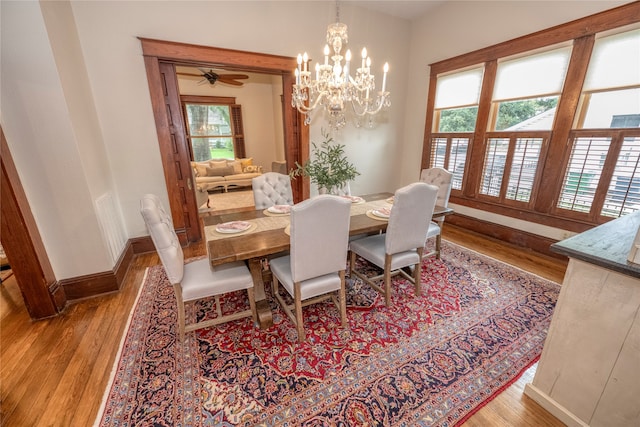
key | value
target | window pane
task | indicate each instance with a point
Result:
(528, 114)
(212, 148)
(212, 120)
(623, 196)
(438, 152)
(614, 109)
(583, 173)
(458, 160)
(615, 62)
(523, 168)
(540, 74)
(457, 150)
(459, 89)
(494, 162)
(458, 120)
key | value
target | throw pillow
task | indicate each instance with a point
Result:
(237, 166)
(201, 169)
(246, 162)
(252, 168)
(220, 171)
(217, 163)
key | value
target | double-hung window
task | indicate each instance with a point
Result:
(456, 111)
(602, 175)
(214, 127)
(523, 106)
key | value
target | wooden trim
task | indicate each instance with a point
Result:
(296, 138)
(92, 285)
(534, 242)
(564, 223)
(207, 55)
(23, 244)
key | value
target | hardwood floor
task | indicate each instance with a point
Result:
(54, 372)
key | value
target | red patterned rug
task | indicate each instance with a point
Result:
(427, 361)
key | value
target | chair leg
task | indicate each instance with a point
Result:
(298, 306)
(387, 280)
(181, 320)
(343, 300)
(417, 276)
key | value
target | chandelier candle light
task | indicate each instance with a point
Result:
(334, 87)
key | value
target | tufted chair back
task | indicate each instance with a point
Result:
(271, 189)
(441, 178)
(164, 236)
(410, 217)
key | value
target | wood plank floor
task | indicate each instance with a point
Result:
(53, 372)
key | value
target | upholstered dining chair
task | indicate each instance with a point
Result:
(271, 188)
(402, 244)
(197, 279)
(442, 179)
(315, 268)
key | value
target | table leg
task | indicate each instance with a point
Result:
(263, 311)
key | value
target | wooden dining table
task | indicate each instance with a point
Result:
(268, 238)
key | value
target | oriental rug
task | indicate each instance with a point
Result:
(431, 360)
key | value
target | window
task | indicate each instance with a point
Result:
(515, 158)
(457, 97)
(213, 127)
(527, 89)
(610, 99)
(535, 144)
(451, 154)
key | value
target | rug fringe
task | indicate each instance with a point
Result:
(123, 339)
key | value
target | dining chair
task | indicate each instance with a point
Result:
(442, 179)
(402, 244)
(193, 280)
(315, 268)
(271, 188)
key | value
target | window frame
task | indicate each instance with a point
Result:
(581, 34)
(235, 119)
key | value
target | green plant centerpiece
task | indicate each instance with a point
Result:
(328, 166)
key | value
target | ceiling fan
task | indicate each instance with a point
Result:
(213, 77)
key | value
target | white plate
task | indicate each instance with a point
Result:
(382, 213)
(280, 209)
(354, 199)
(233, 227)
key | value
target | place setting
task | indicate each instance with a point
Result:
(277, 210)
(381, 214)
(356, 200)
(235, 227)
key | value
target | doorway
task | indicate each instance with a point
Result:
(161, 59)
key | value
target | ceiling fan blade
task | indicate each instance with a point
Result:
(234, 76)
(229, 81)
(188, 74)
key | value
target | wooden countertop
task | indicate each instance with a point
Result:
(607, 245)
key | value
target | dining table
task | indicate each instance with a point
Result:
(267, 236)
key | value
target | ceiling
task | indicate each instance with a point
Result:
(406, 9)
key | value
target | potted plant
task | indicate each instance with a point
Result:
(328, 166)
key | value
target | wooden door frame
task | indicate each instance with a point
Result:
(296, 135)
(42, 294)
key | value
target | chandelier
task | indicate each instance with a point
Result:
(335, 87)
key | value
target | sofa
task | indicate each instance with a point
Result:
(224, 173)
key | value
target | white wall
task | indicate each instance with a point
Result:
(60, 160)
(458, 27)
